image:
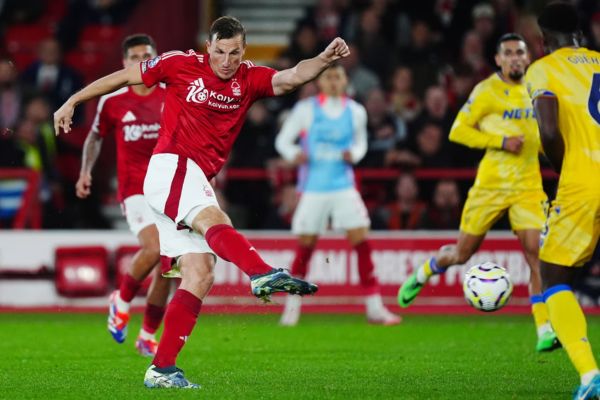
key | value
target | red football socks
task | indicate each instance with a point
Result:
(128, 288)
(301, 260)
(366, 268)
(180, 319)
(232, 246)
(153, 315)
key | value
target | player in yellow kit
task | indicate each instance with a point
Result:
(499, 117)
(565, 89)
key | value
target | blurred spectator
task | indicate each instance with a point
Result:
(10, 95)
(361, 80)
(472, 54)
(11, 155)
(330, 18)
(390, 18)
(86, 12)
(506, 16)
(20, 11)
(281, 212)
(406, 211)
(435, 110)
(11, 190)
(484, 25)
(444, 211)
(528, 28)
(431, 147)
(453, 18)
(38, 110)
(595, 32)
(281, 105)
(462, 83)
(423, 56)
(52, 78)
(404, 101)
(40, 155)
(304, 44)
(253, 148)
(375, 48)
(382, 127)
(254, 145)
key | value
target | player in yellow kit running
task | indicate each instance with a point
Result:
(565, 89)
(499, 117)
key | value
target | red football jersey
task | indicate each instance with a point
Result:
(135, 120)
(203, 114)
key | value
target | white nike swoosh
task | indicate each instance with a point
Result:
(584, 395)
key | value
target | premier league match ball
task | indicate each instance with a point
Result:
(487, 286)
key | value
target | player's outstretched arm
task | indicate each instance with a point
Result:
(91, 150)
(546, 113)
(63, 117)
(306, 70)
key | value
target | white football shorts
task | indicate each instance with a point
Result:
(137, 212)
(176, 190)
(345, 208)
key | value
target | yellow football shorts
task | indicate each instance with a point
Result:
(571, 232)
(526, 209)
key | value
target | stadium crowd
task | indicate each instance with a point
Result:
(413, 65)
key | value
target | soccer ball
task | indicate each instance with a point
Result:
(487, 286)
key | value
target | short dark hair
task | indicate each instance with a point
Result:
(508, 37)
(137, 39)
(560, 17)
(226, 28)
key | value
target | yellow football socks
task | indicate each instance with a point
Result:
(539, 311)
(570, 326)
(427, 270)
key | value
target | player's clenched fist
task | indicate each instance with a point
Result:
(513, 144)
(337, 49)
(83, 186)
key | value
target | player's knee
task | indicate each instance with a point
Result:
(532, 253)
(207, 277)
(208, 217)
(151, 253)
(199, 276)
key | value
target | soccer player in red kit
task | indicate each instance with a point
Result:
(207, 98)
(132, 114)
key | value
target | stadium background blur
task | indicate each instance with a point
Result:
(412, 66)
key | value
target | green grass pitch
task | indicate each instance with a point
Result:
(71, 356)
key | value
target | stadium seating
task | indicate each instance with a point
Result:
(22, 42)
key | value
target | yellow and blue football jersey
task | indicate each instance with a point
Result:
(572, 75)
(494, 110)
